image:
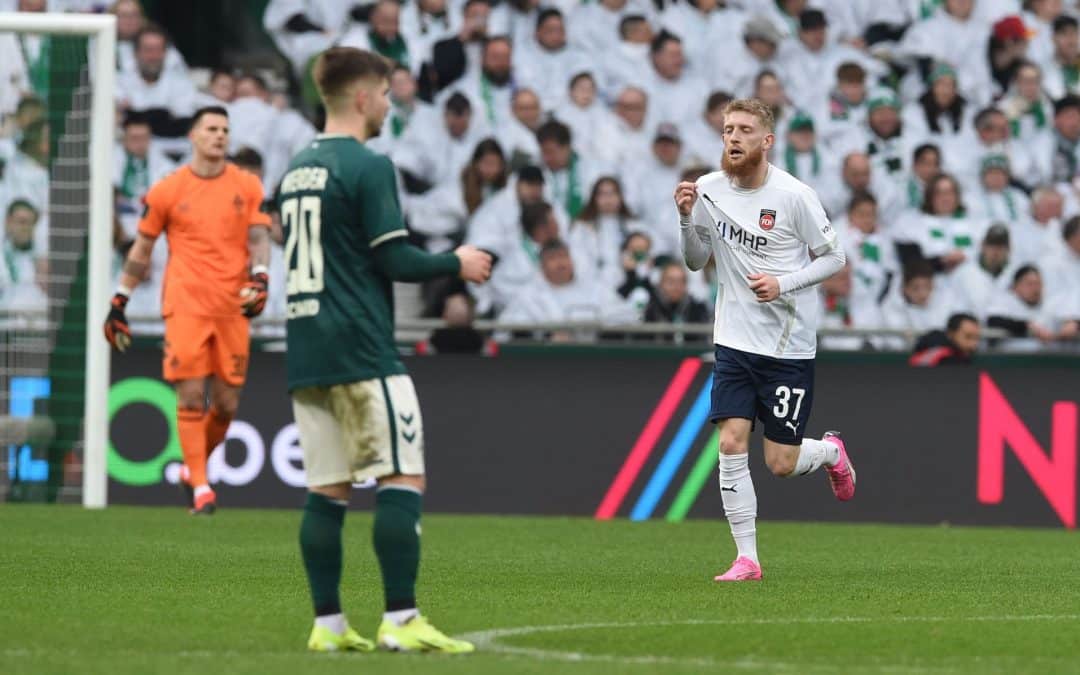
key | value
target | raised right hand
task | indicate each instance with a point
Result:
(685, 196)
(475, 264)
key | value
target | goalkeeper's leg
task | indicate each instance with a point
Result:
(191, 425)
(187, 363)
(224, 400)
(229, 354)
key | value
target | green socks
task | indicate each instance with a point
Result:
(320, 545)
(397, 544)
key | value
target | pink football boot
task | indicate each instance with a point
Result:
(842, 475)
(743, 569)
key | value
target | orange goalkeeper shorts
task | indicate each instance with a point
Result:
(200, 346)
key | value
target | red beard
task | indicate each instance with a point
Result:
(744, 166)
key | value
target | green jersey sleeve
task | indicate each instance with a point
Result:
(401, 261)
(379, 207)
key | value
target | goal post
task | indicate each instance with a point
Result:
(92, 266)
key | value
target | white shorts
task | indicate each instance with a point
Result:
(360, 430)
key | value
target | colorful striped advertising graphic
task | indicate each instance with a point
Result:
(688, 429)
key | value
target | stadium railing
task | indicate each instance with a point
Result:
(410, 331)
(592, 332)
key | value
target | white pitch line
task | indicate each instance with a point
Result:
(488, 640)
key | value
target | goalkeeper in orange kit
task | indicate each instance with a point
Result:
(215, 281)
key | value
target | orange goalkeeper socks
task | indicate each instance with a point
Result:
(217, 425)
(192, 427)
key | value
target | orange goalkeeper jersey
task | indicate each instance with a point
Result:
(206, 222)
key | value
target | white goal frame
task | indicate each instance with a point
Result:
(101, 27)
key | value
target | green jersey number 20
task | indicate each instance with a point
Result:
(302, 217)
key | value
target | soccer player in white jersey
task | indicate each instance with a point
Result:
(772, 243)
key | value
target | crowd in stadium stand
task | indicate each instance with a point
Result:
(943, 137)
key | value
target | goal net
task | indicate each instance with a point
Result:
(56, 133)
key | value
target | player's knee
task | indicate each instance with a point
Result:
(781, 465)
(190, 400)
(413, 482)
(191, 394)
(224, 402)
(733, 445)
(225, 408)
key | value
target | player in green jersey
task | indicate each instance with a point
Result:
(354, 404)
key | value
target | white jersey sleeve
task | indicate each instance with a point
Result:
(814, 229)
(812, 226)
(695, 237)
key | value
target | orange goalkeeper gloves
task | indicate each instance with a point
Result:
(117, 331)
(253, 294)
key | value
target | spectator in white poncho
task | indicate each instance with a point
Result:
(995, 198)
(382, 35)
(568, 176)
(558, 295)
(435, 147)
(597, 234)
(1024, 313)
(705, 135)
(303, 28)
(129, 21)
(629, 137)
(977, 282)
(920, 305)
(736, 64)
(944, 234)
(871, 256)
(440, 214)
(662, 167)
(941, 115)
(586, 116)
(675, 94)
(1062, 72)
(547, 67)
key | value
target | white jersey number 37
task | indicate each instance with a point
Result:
(781, 409)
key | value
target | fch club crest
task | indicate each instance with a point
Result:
(767, 219)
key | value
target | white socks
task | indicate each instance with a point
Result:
(400, 617)
(740, 502)
(335, 622)
(812, 454)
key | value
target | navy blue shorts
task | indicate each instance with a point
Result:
(779, 392)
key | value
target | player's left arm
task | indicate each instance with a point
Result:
(254, 293)
(394, 256)
(812, 227)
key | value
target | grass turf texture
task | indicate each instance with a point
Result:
(141, 590)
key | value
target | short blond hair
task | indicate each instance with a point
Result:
(755, 107)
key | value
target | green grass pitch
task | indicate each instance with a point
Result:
(141, 590)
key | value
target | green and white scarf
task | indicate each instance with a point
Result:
(394, 50)
(570, 197)
(136, 178)
(38, 69)
(791, 161)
